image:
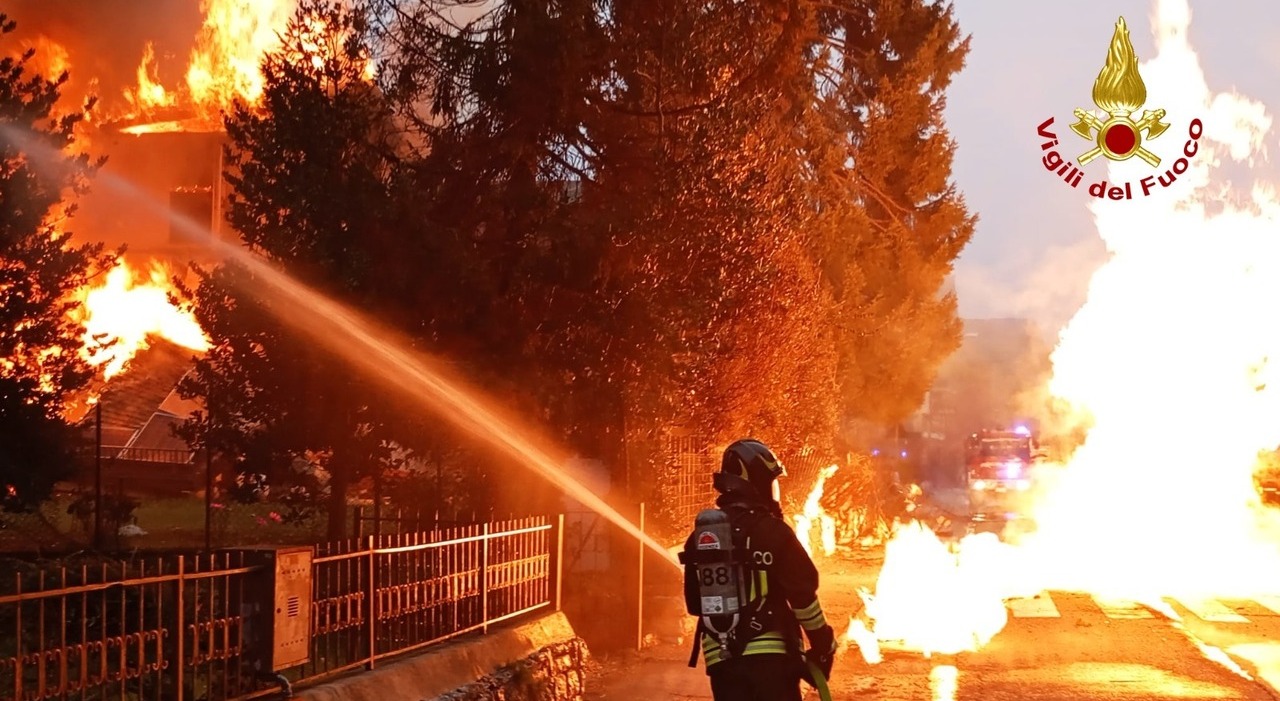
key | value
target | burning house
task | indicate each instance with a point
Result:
(160, 76)
(175, 167)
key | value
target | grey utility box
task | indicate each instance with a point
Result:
(277, 607)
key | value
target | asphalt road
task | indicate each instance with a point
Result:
(1061, 646)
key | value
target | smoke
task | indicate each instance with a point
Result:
(105, 40)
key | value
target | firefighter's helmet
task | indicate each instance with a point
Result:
(748, 463)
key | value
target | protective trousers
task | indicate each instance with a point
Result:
(756, 678)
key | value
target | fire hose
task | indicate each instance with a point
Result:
(819, 680)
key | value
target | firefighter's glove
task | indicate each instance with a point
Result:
(822, 649)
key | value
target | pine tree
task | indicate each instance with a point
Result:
(892, 64)
(498, 98)
(702, 185)
(311, 178)
(41, 266)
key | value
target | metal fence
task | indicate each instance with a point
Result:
(692, 462)
(174, 628)
(368, 520)
(161, 455)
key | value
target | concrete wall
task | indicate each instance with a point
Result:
(554, 673)
(542, 660)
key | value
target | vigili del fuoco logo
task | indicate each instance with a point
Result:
(1120, 93)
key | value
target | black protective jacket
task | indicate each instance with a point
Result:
(783, 583)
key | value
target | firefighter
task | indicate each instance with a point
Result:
(757, 655)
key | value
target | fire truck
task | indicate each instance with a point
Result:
(1000, 468)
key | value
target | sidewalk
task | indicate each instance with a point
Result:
(661, 672)
(657, 674)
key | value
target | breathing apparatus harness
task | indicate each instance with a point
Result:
(719, 561)
(722, 568)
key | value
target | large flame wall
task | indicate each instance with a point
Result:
(1173, 357)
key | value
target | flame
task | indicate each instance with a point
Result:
(939, 599)
(224, 68)
(813, 513)
(1119, 88)
(164, 127)
(50, 59)
(1181, 395)
(320, 41)
(1177, 382)
(225, 64)
(150, 94)
(943, 683)
(126, 310)
(867, 642)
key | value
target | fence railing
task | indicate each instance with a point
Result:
(175, 628)
(165, 455)
(389, 520)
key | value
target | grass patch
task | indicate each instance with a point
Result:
(169, 523)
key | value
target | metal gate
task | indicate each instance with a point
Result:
(692, 464)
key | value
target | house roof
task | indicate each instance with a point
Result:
(175, 405)
(156, 441)
(129, 400)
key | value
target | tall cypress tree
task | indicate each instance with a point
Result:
(703, 187)
(495, 97)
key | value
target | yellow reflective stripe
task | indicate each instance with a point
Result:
(767, 644)
(811, 617)
(771, 635)
(764, 583)
(765, 647)
(814, 623)
(809, 611)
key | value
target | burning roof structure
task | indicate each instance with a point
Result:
(159, 76)
(129, 402)
(140, 411)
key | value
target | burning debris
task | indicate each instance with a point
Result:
(813, 515)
